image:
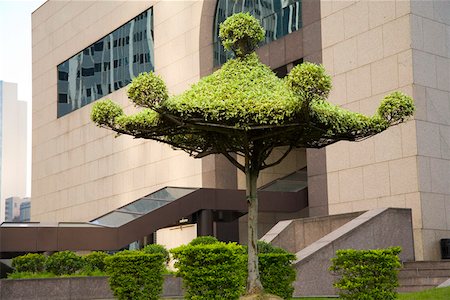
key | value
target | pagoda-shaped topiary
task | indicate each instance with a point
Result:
(244, 110)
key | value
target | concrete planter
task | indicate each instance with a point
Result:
(70, 288)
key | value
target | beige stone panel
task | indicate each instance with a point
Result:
(417, 38)
(376, 180)
(370, 46)
(348, 55)
(440, 174)
(434, 37)
(364, 205)
(402, 7)
(392, 201)
(341, 4)
(333, 188)
(362, 153)
(340, 208)
(381, 12)
(403, 175)
(442, 11)
(338, 94)
(396, 36)
(422, 8)
(43, 12)
(328, 61)
(424, 69)
(311, 44)
(420, 102)
(359, 84)
(351, 184)
(447, 29)
(413, 201)
(369, 106)
(182, 70)
(384, 74)
(443, 73)
(338, 157)
(164, 10)
(433, 211)
(405, 68)
(418, 244)
(428, 139)
(444, 133)
(438, 106)
(388, 144)
(447, 210)
(431, 249)
(356, 19)
(332, 29)
(409, 138)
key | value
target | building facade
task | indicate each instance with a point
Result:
(84, 51)
(13, 145)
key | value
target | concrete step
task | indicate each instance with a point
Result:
(431, 281)
(414, 288)
(441, 264)
(409, 273)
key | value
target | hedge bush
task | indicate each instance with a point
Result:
(155, 248)
(31, 262)
(95, 260)
(136, 276)
(367, 274)
(64, 263)
(204, 240)
(211, 271)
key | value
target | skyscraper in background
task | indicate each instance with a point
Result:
(13, 145)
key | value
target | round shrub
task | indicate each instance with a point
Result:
(155, 248)
(277, 273)
(64, 263)
(105, 112)
(31, 262)
(241, 33)
(204, 240)
(309, 79)
(147, 90)
(136, 276)
(95, 260)
(264, 248)
(396, 107)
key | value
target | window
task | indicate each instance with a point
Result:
(278, 17)
(104, 65)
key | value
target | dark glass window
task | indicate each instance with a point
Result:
(278, 17)
(97, 70)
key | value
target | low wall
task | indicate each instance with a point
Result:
(377, 228)
(70, 288)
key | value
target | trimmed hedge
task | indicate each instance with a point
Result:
(211, 271)
(64, 263)
(31, 262)
(367, 274)
(218, 270)
(204, 240)
(277, 273)
(155, 248)
(95, 260)
(136, 276)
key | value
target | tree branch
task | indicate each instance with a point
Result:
(265, 166)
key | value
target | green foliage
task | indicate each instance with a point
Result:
(211, 271)
(277, 273)
(137, 276)
(105, 112)
(28, 275)
(95, 260)
(430, 294)
(241, 34)
(31, 262)
(64, 262)
(367, 274)
(155, 248)
(395, 107)
(204, 240)
(243, 92)
(144, 119)
(264, 248)
(147, 90)
(309, 80)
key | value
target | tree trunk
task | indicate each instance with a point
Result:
(254, 285)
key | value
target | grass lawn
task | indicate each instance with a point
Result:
(432, 294)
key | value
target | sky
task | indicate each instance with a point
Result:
(15, 53)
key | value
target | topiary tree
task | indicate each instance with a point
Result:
(243, 110)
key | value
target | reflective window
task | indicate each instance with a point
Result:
(278, 17)
(107, 65)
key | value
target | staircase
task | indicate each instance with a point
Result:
(422, 275)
